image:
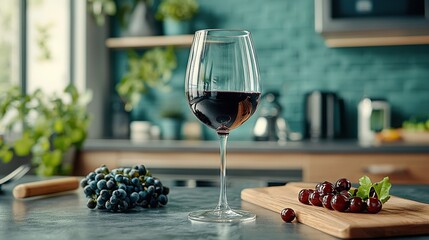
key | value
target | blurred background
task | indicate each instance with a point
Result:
(323, 64)
(63, 44)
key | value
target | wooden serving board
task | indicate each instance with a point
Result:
(399, 217)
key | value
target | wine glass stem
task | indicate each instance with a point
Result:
(223, 203)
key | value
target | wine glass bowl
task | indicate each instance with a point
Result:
(222, 88)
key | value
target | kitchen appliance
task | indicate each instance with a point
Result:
(399, 216)
(324, 115)
(270, 126)
(373, 117)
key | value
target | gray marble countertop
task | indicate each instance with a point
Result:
(337, 146)
(65, 216)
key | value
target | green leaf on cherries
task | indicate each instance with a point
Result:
(364, 189)
(381, 188)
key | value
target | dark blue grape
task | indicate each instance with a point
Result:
(105, 194)
(93, 185)
(149, 181)
(91, 176)
(138, 188)
(142, 170)
(126, 180)
(116, 193)
(162, 199)
(100, 202)
(151, 190)
(122, 186)
(108, 177)
(165, 190)
(134, 173)
(114, 199)
(119, 178)
(91, 203)
(83, 182)
(108, 205)
(104, 170)
(127, 199)
(153, 202)
(127, 171)
(157, 182)
(143, 195)
(98, 177)
(123, 194)
(88, 191)
(122, 206)
(135, 181)
(134, 197)
(111, 184)
(102, 184)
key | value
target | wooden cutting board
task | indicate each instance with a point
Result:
(399, 217)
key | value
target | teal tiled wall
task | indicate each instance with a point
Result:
(294, 60)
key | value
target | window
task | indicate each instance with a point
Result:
(45, 59)
(48, 45)
(9, 43)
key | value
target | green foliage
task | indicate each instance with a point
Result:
(177, 9)
(127, 7)
(99, 9)
(416, 124)
(49, 126)
(173, 113)
(381, 188)
(123, 9)
(153, 69)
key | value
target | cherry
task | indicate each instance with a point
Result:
(357, 205)
(346, 194)
(342, 184)
(303, 195)
(340, 203)
(373, 205)
(325, 188)
(315, 199)
(287, 214)
(326, 200)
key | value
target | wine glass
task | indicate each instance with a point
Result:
(222, 88)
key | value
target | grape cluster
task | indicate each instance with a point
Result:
(123, 188)
(338, 196)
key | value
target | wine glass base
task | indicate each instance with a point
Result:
(222, 216)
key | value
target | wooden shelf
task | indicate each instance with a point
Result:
(150, 41)
(334, 42)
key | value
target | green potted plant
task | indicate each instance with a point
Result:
(135, 17)
(176, 15)
(153, 69)
(171, 123)
(49, 127)
(99, 9)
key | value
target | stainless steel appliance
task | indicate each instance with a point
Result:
(373, 117)
(270, 126)
(324, 115)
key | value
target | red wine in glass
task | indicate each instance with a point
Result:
(223, 110)
(223, 91)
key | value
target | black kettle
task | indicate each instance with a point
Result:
(324, 115)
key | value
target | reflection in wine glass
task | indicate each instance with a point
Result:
(223, 91)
